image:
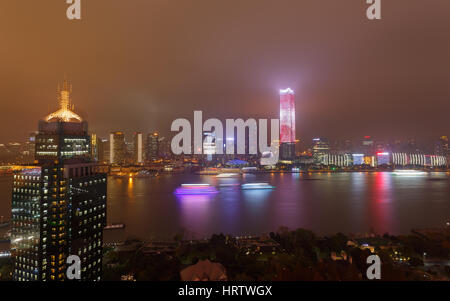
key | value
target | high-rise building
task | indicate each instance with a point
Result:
(209, 145)
(340, 160)
(117, 147)
(138, 148)
(383, 158)
(103, 150)
(321, 148)
(152, 147)
(129, 152)
(164, 148)
(287, 124)
(58, 204)
(94, 147)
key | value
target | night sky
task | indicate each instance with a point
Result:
(137, 65)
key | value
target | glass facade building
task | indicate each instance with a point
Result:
(59, 204)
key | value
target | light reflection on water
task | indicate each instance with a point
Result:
(194, 212)
(381, 197)
(325, 203)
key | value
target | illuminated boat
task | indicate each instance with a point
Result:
(409, 172)
(196, 189)
(227, 175)
(253, 186)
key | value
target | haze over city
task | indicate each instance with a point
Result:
(138, 67)
(256, 142)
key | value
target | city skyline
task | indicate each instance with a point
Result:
(342, 154)
(346, 82)
(65, 110)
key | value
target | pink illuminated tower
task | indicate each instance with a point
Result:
(287, 124)
(287, 116)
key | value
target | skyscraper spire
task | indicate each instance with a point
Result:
(65, 112)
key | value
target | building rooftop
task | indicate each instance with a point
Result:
(204, 270)
(65, 112)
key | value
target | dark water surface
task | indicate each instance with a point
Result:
(325, 203)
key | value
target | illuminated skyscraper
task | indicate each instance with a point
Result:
(152, 147)
(103, 151)
(321, 148)
(94, 147)
(164, 148)
(117, 148)
(59, 203)
(209, 145)
(287, 124)
(138, 147)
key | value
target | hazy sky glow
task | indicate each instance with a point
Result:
(138, 65)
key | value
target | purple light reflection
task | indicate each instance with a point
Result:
(195, 189)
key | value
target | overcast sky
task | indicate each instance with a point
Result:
(137, 65)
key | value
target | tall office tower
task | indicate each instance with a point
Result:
(58, 204)
(129, 152)
(117, 148)
(164, 148)
(103, 151)
(138, 147)
(152, 147)
(209, 145)
(287, 124)
(321, 148)
(94, 147)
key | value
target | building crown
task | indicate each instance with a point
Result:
(65, 112)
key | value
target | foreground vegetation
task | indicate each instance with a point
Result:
(299, 255)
